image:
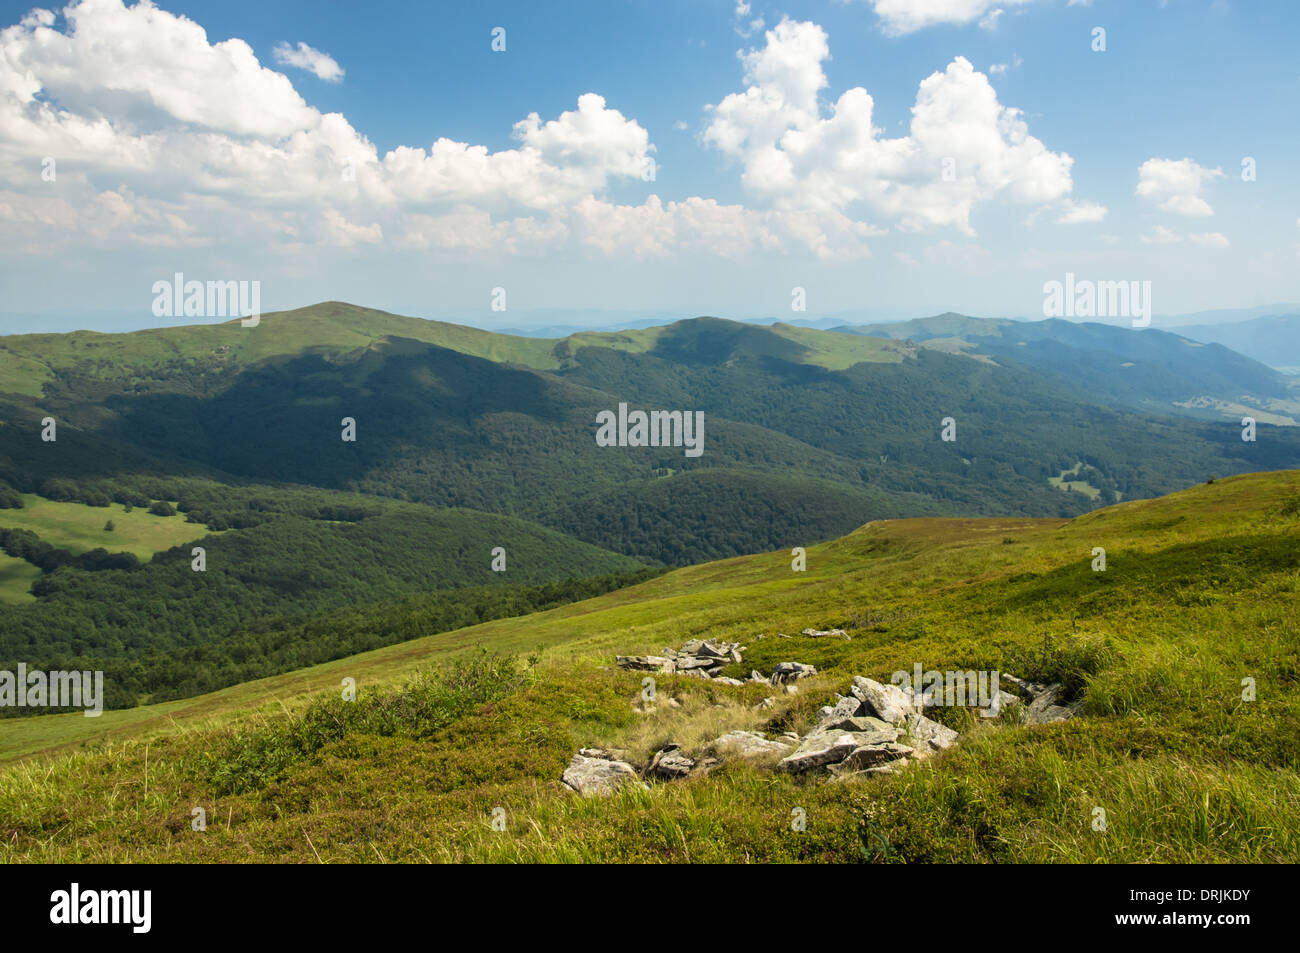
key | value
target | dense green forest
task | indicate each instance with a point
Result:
(289, 554)
(274, 644)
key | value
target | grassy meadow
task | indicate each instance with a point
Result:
(1169, 762)
(79, 528)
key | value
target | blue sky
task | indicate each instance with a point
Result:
(784, 154)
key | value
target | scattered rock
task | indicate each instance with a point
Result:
(820, 749)
(873, 756)
(644, 663)
(1001, 701)
(698, 658)
(598, 776)
(849, 707)
(815, 634)
(930, 736)
(1044, 709)
(859, 734)
(791, 671)
(705, 765)
(747, 744)
(879, 731)
(888, 702)
(1042, 701)
(669, 764)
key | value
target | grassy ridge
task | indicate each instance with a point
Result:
(1199, 593)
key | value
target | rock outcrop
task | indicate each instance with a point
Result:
(592, 772)
(747, 744)
(698, 657)
(861, 733)
(875, 729)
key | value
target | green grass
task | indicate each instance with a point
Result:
(1200, 592)
(16, 578)
(1064, 484)
(80, 528)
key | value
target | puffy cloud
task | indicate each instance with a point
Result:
(199, 130)
(899, 17)
(963, 148)
(172, 72)
(558, 162)
(165, 139)
(321, 65)
(1175, 185)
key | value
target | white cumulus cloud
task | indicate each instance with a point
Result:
(321, 65)
(1175, 185)
(963, 146)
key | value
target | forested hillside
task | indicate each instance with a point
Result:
(808, 433)
(286, 562)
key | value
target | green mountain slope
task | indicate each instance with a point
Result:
(808, 433)
(1198, 596)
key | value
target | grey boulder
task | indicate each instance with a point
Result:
(887, 702)
(599, 777)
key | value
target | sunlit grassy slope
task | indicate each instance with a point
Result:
(79, 528)
(27, 361)
(1199, 593)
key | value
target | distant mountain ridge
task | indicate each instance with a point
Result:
(1273, 340)
(809, 432)
(1148, 369)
